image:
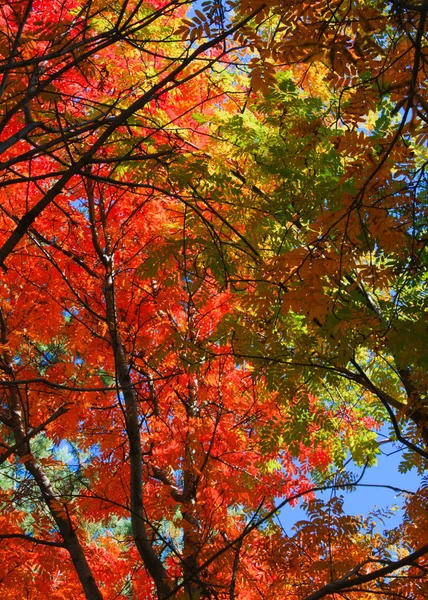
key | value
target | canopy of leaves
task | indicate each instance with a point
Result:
(213, 242)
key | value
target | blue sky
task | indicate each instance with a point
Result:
(365, 499)
(384, 473)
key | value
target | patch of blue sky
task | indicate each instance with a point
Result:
(80, 204)
(381, 492)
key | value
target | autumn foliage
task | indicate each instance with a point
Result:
(213, 298)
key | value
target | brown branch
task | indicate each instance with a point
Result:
(235, 570)
(30, 538)
(166, 84)
(384, 398)
(52, 501)
(58, 386)
(60, 411)
(348, 582)
(149, 557)
(254, 524)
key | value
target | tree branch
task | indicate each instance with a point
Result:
(30, 538)
(347, 582)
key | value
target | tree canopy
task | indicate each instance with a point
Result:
(213, 251)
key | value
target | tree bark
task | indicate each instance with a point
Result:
(53, 502)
